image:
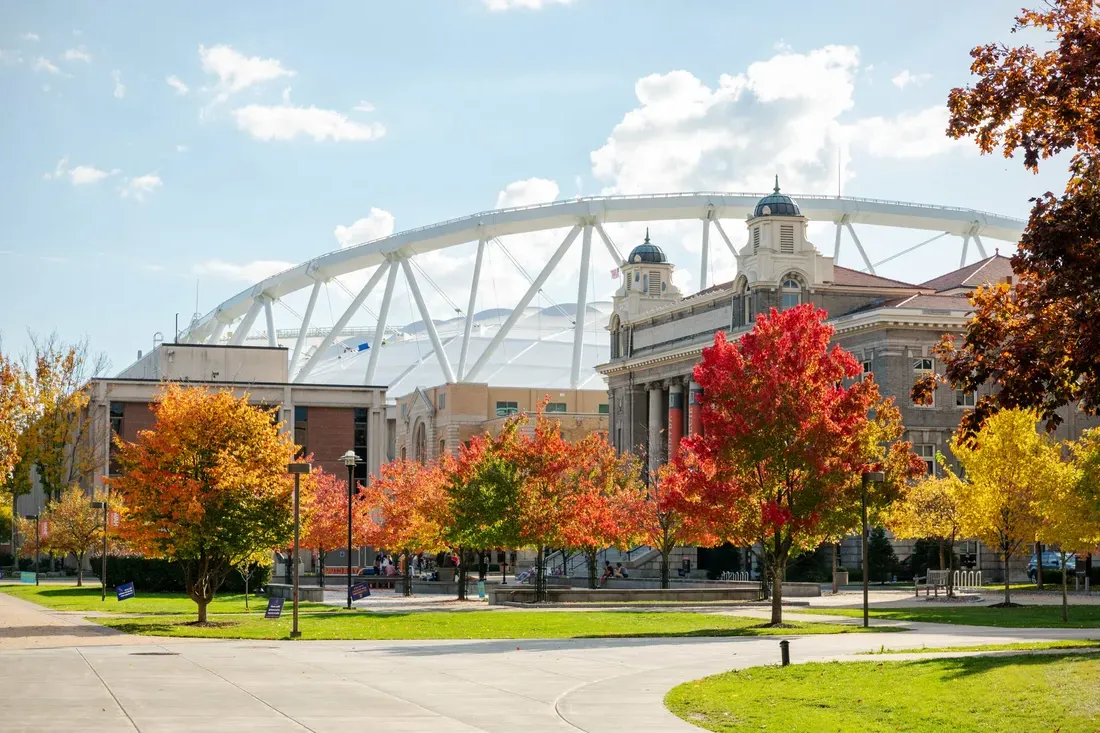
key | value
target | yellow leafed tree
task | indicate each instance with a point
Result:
(930, 509)
(1009, 467)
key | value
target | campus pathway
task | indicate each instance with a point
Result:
(98, 681)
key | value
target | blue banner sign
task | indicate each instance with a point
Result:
(124, 591)
(481, 589)
(25, 577)
(360, 590)
(274, 608)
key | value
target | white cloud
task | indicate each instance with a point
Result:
(497, 5)
(379, 223)
(179, 86)
(237, 72)
(120, 88)
(910, 135)
(527, 192)
(250, 272)
(181, 148)
(77, 54)
(906, 77)
(286, 122)
(139, 187)
(363, 107)
(30, 37)
(43, 64)
(80, 175)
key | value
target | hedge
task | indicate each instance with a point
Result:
(165, 576)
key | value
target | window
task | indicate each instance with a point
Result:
(359, 438)
(792, 293)
(755, 240)
(117, 410)
(746, 301)
(964, 399)
(604, 408)
(645, 284)
(420, 443)
(786, 239)
(927, 452)
(867, 371)
(442, 400)
(442, 447)
(922, 366)
(504, 409)
(654, 284)
(301, 430)
(555, 407)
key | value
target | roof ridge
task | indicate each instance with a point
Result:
(880, 277)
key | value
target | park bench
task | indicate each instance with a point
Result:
(935, 580)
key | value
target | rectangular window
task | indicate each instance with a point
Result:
(442, 447)
(654, 285)
(555, 407)
(964, 399)
(117, 411)
(921, 367)
(604, 408)
(442, 400)
(504, 409)
(867, 371)
(359, 438)
(927, 453)
(786, 239)
(301, 430)
(791, 300)
(755, 240)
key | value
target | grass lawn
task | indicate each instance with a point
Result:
(71, 598)
(1047, 617)
(471, 625)
(989, 694)
(1023, 646)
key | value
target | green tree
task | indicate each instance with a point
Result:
(882, 561)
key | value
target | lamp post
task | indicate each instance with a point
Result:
(349, 459)
(103, 568)
(37, 546)
(297, 469)
(868, 477)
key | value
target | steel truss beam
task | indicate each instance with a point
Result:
(703, 260)
(502, 332)
(611, 248)
(269, 316)
(380, 329)
(441, 355)
(859, 246)
(300, 342)
(582, 308)
(338, 327)
(246, 323)
(471, 309)
(216, 334)
(725, 238)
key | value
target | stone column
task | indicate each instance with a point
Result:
(655, 426)
(675, 418)
(695, 409)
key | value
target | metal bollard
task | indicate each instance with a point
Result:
(785, 652)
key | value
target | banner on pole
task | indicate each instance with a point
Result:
(274, 607)
(359, 591)
(124, 591)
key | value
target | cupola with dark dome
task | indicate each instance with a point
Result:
(776, 204)
(647, 252)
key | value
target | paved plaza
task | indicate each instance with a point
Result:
(67, 674)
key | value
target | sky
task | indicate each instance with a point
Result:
(159, 159)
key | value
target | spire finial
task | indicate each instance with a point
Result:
(776, 189)
(647, 235)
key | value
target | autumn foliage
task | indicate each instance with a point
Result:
(206, 486)
(324, 509)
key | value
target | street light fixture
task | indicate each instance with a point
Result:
(868, 478)
(103, 571)
(297, 469)
(349, 459)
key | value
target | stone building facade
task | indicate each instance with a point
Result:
(890, 326)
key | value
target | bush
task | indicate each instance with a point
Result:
(164, 576)
(882, 561)
(6, 560)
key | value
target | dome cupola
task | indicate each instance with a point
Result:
(647, 252)
(776, 204)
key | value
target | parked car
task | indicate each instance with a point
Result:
(1052, 561)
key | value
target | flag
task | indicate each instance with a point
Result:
(615, 274)
(363, 346)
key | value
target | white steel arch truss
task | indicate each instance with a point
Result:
(583, 217)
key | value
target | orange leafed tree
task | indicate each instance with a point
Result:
(671, 516)
(325, 515)
(405, 505)
(606, 496)
(206, 486)
(785, 441)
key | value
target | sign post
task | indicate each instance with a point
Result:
(297, 469)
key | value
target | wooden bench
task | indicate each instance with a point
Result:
(935, 580)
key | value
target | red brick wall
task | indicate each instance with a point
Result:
(331, 431)
(136, 416)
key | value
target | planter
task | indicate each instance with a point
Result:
(841, 577)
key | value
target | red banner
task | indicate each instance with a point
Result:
(342, 570)
(44, 528)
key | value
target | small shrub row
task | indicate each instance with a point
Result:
(165, 576)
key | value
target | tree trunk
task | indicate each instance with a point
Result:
(942, 566)
(591, 555)
(835, 589)
(80, 570)
(540, 575)
(408, 590)
(247, 575)
(460, 573)
(777, 594)
(1039, 565)
(1065, 600)
(202, 604)
(1008, 596)
(665, 552)
(321, 567)
(950, 545)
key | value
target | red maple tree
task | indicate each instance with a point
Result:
(784, 440)
(325, 515)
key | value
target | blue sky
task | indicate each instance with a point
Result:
(120, 189)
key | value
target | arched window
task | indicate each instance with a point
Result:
(792, 292)
(420, 444)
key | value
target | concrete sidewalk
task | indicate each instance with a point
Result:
(25, 625)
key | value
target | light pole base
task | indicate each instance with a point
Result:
(295, 634)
